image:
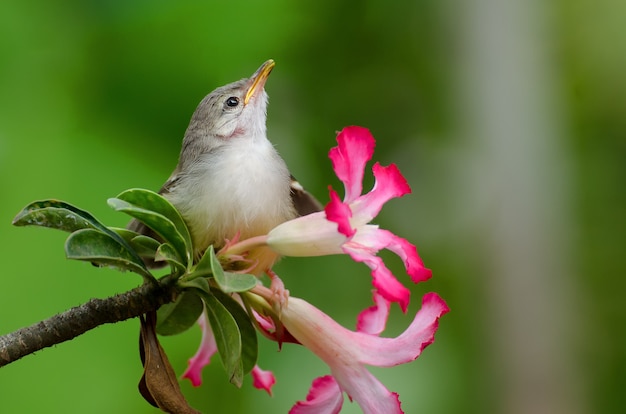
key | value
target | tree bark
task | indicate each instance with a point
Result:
(76, 321)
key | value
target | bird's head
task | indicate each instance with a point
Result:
(236, 110)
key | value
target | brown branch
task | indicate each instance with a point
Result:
(78, 320)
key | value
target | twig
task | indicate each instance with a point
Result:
(76, 321)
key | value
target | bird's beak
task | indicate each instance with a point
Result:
(258, 80)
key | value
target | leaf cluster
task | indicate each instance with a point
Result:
(202, 286)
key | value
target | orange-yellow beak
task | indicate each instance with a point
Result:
(258, 80)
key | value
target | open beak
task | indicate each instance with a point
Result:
(258, 80)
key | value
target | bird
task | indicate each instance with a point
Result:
(230, 181)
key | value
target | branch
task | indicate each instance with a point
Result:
(78, 320)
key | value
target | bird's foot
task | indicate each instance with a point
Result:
(229, 243)
(280, 294)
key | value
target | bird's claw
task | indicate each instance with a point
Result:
(279, 293)
(229, 243)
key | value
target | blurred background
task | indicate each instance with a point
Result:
(507, 118)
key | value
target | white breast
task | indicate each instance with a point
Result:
(243, 187)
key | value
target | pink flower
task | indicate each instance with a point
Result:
(262, 380)
(202, 357)
(347, 353)
(343, 227)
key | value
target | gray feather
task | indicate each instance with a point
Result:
(303, 201)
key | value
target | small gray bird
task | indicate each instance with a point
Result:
(230, 179)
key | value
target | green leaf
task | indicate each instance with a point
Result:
(52, 217)
(227, 337)
(157, 222)
(63, 216)
(157, 203)
(205, 265)
(100, 248)
(56, 214)
(125, 234)
(250, 347)
(236, 282)
(166, 253)
(144, 246)
(228, 282)
(150, 200)
(197, 283)
(177, 317)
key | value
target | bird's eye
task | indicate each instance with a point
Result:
(232, 102)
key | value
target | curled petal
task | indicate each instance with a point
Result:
(374, 319)
(408, 253)
(377, 239)
(207, 349)
(387, 352)
(339, 213)
(263, 380)
(355, 149)
(390, 183)
(324, 397)
(382, 278)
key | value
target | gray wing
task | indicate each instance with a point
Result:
(303, 201)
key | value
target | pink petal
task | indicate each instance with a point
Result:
(408, 253)
(355, 149)
(263, 380)
(268, 328)
(374, 319)
(386, 352)
(323, 397)
(382, 278)
(347, 352)
(207, 349)
(266, 324)
(367, 391)
(377, 239)
(339, 213)
(390, 183)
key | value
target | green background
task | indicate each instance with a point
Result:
(508, 120)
